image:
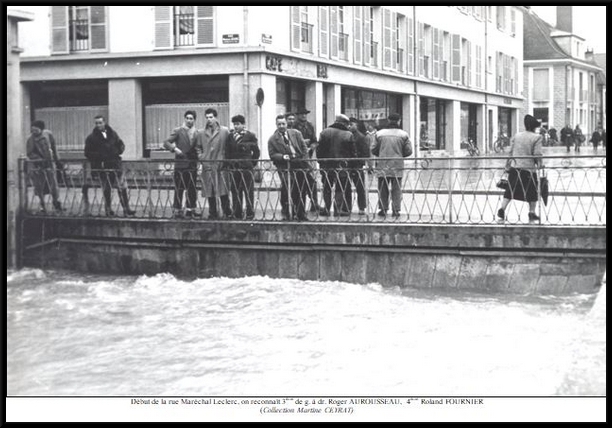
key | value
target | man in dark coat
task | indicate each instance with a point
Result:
(596, 138)
(289, 153)
(103, 149)
(336, 141)
(310, 138)
(567, 137)
(362, 150)
(182, 142)
(242, 145)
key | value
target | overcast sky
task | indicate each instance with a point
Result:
(589, 22)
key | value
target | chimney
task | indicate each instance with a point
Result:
(564, 18)
(588, 55)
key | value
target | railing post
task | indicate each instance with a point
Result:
(450, 192)
(23, 200)
(149, 202)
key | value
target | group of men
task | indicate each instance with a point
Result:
(228, 159)
(574, 137)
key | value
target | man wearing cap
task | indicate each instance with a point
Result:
(310, 138)
(41, 148)
(288, 152)
(391, 142)
(242, 147)
(336, 142)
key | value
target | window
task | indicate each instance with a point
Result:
(184, 26)
(342, 36)
(357, 34)
(389, 39)
(301, 30)
(446, 57)
(501, 17)
(466, 62)
(78, 29)
(324, 31)
(456, 58)
(400, 40)
(437, 52)
(540, 85)
(478, 54)
(410, 46)
(512, 22)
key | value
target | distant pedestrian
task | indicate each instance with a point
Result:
(554, 139)
(596, 138)
(211, 146)
(182, 143)
(523, 177)
(357, 173)
(336, 143)
(391, 142)
(103, 149)
(579, 138)
(242, 147)
(567, 137)
(41, 149)
(289, 153)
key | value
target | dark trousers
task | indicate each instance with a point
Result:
(313, 192)
(185, 182)
(243, 188)
(396, 193)
(296, 180)
(108, 179)
(339, 182)
(358, 179)
(225, 206)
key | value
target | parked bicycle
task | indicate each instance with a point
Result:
(500, 143)
(472, 148)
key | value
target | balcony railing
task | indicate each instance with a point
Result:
(79, 35)
(455, 190)
(184, 29)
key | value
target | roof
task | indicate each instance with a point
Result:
(600, 60)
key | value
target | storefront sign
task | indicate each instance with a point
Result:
(266, 38)
(291, 66)
(507, 100)
(274, 63)
(230, 38)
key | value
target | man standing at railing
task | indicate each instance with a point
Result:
(310, 138)
(357, 173)
(288, 152)
(336, 142)
(211, 146)
(391, 142)
(103, 149)
(182, 143)
(41, 148)
(242, 145)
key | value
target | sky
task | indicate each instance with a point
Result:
(589, 22)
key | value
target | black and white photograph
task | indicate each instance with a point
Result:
(306, 213)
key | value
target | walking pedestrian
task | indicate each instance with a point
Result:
(103, 149)
(289, 153)
(567, 137)
(336, 142)
(523, 177)
(242, 145)
(391, 142)
(579, 138)
(596, 138)
(182, 142)
(357, 173)
(211, 146)
(41, 148)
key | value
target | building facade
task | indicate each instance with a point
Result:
(564, 85)
(451, 72)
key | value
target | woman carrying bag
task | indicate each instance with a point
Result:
(523, 183)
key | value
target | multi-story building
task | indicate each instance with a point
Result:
(451, 72)
(563, 82)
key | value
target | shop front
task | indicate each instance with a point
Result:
(372, 107)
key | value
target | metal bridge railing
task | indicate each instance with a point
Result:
(453, 190)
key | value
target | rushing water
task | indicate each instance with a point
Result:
(76, 334)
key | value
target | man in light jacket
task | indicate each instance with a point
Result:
(391, 142)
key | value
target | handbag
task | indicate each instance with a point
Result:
(503, 183)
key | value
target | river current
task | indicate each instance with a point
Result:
(95, 335)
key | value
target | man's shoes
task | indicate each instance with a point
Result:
(128, 212)
(188, 214)
(58, 206)
(382, 213)
(361, 212)
(110, 213)
(342, 214)
(302, 217)
(250, 216)
(501, 214)
(533, 217)
(396, 214)
(177, 214)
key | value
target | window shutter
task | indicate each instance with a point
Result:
(97, 27)
(456, 58)
(394, 40)
(421, 49)
(436, 53)
(357, 31)
(59, 29)
(469, 63)
(296, 25)
(410, 47)
(386, 38)
(205, 25)
(367, 46)
(333, 30)
(163, 26)
(324, 31)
